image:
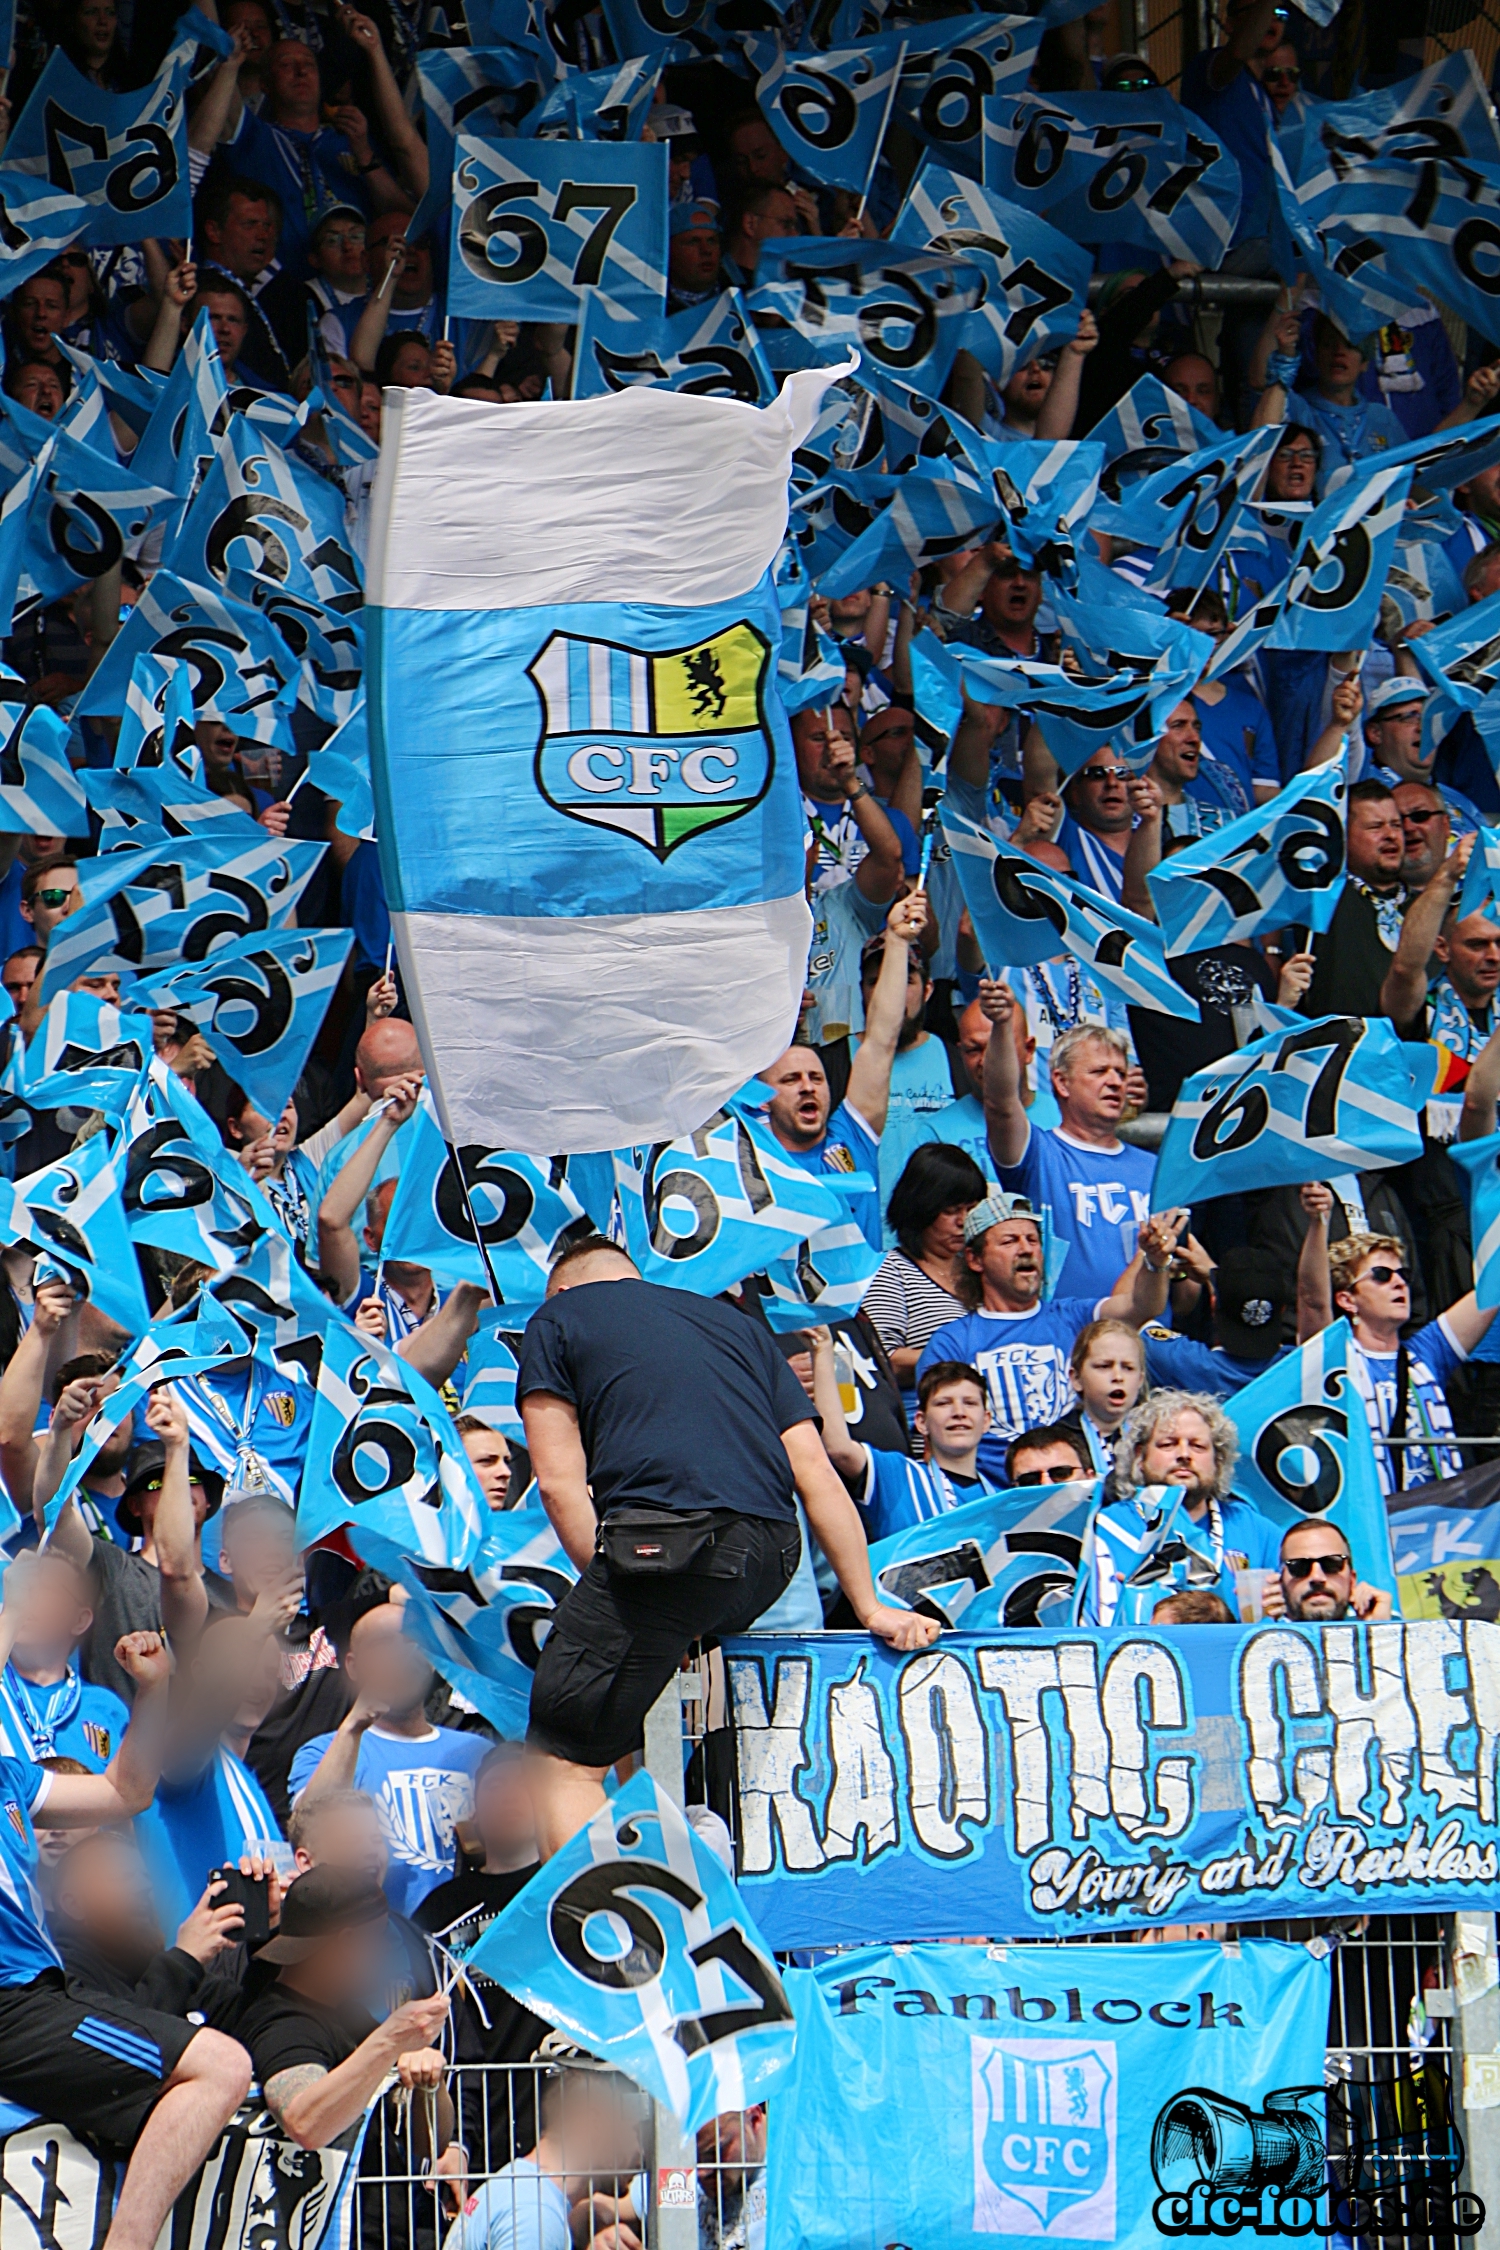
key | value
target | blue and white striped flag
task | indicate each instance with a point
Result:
(704, 1210)
(1189, 510)
(383, 1457)
(496, 84)
(260, 1004)
(1481, 1161)
(39, 793)
(84, 511)
(904, 311)
(1140, 666)
(73, 1214)
(81, 1031)
(481, 1214)
(241, 672)
(810, 671)
(634, 1941)
(189, 417)
(1037, 279)
(1481, 886)
(709, 351)
(257, 515)
(952, 68)
(595, 865)
(341, 769)
(157, 726)
(483, 1626)
(1461, 658)
(1330, 597)
(493, 1360)
(182, 1190)
(828, 108)
(1306, 1455)
(825, 1277)
(1024, 914)
(125, 154)
(151, 802)
(928, 519)
(612, 104)
(37, 220)
(1145, 171)
(1279, 863)
(539, 226)
(172, 1350)
(1139, 1550)
(1150, 429)
(1009, 1559)
(1341, 1094)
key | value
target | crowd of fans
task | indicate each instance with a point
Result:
(266, 1828)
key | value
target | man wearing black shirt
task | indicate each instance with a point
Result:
(1355, 952)
(677, 1417)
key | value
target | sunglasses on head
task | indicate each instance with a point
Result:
(1303, 1566)
(50, 898)
(1380, 1275)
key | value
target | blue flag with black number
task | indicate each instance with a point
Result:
(1189, 510)
(708, 351)
(1009, 1559)
(928, 519)
(1024, 914)
(1151, 428)
(1341, 1094)
(1339, 555)
(1145, 171)
(151, 800)
(383, 1457)
(1306, 1455)
(704, 1210)
(810, 670)
(596, 105)
(126, 154)
(952, 68)
(84, 510)
(183, 1192)
(903, 310)
(539, 226)
(73, 1214)
(39, 793)
(189, 417)
(828, 108)
(260, 1004)
(477, 1214)
(1036, 278)
(1461, 657)
(493, 1361)
(259, 515)
(634, 1941)
(37, 221)
(241, 672)
(459, 85)
(1139, 665)
(825, 1277)
(1280, 863)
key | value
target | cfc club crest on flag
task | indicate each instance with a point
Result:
(1044, 2138)
(659, 747)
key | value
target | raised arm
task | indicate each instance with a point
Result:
(1143, 852)
(184, 1597)
(54, 1310)
(217, 116)
(370, 328)
(834, 1521)
(1467, 1323)
(400, 135)
(128, 1783)
(1479, 396)
(973, 739)
(870, 1072)
(436, 1348)
(1347, 702)
(1140, 1294)
(1404, 992)
(878, 874)
(1004, 1111)
(178, 291)
(848, 1456)
(338, 1250)
(1314, 1282)
(1060, 406)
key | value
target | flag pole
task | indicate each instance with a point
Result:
(890, 103)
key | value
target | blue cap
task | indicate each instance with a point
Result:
(995, 1209)
(700, 217)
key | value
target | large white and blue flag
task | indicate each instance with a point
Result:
(709, 351)
(702, 1211)
(1037, 278)
(1339, 1094)
(1306, 1454)
(39, 793)
(1146, 171)
(590, 825)
(540, 226)
(125, 154)
(259, 1003)
(635, 1942)
(1280, 863)
(486, 1215)
(828, 108)
(1024, 914)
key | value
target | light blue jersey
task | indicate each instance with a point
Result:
(422, 1788)
(26, 1951)
(195, 1826)
(1099, 1199)
(1023, 1358)
(519, 2209)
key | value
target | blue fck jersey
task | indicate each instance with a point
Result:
(898, 1492)
(195, 1826)
(1099, 1198)
(849, 1146)
(25, 1949)
(1023, 1358)
(422, 1789)
(69, 1719)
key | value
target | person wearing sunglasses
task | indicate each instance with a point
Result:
(1401, 1379)
(1281, 75)
(49, 894)
(1052, 1455)
(1393, 737)
(1316, 1582)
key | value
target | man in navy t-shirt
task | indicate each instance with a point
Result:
(847, 1139)
(1098, 1188)
(1023, 1347)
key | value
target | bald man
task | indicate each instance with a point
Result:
(388, 1051)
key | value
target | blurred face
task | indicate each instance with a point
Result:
(1470, 949)
(338, 253)
(693, 258)
(346, 1836)
(54, 897)
(945, 1237)
(248, 16)
(1048, 1464)
(104, 1888)
(226, 316)
(1181, 1452)
(800, 1099)
(56, 1613)
(1109, 1381)
(1425, 832)
(1293, 471)
(96, 22)
(1377, 844)
(384, 1666)
(245, 240)
(1008, 1258)
(18, 976)
(348, 1964)
(256, 1548)
(1338, 362)
(954, 1419)
(756, 154)
(1181, 747)
(489, 1456)
(503, 1813)
(1098, 796)
(39, 388)
(41, 308)
(1192, 377)
(1395, 740)
(1317, 1572)
(1092, 1088)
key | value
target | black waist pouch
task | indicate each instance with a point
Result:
(666, 1543)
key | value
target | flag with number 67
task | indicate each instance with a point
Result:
(1342, 1094)
(635, 1942)
(539, 226)
(1279, 863)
